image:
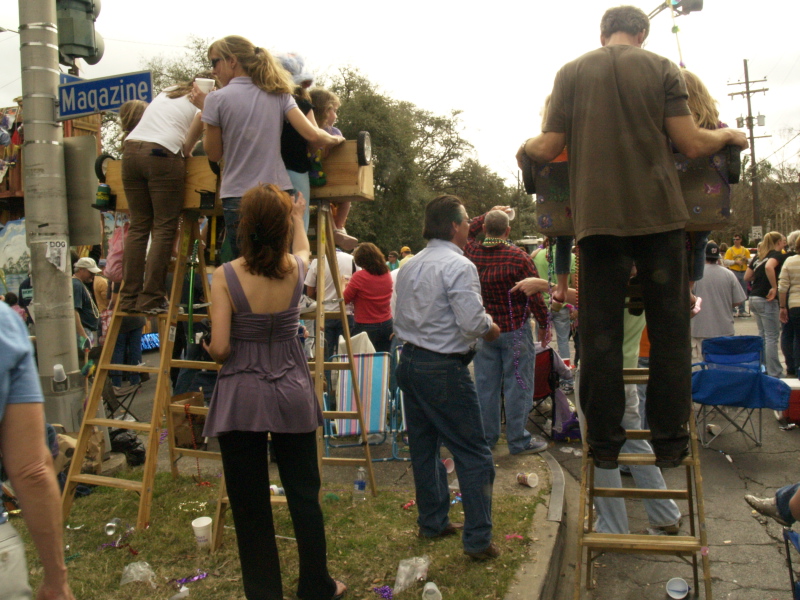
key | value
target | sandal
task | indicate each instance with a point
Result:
(339, 586)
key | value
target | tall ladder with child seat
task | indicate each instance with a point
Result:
(682, 546)
(167, 322)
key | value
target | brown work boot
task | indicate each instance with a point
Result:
(491, 551)
(450, 529)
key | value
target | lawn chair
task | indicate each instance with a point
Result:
(794, 538)
(119, 401)
(372, 371)
(731, 375)
(545, 384)
(397, 416)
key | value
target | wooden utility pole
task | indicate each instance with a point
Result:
(754, 178)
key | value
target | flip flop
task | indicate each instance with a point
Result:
(341, 594)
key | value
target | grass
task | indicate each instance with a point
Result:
(365, 545)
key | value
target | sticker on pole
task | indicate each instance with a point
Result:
(56, 254)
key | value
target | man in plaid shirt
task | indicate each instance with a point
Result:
(508, 361)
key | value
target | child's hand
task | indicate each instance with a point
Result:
(299, 205)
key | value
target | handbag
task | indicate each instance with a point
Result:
(116, 251)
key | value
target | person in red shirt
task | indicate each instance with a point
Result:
(370, 291)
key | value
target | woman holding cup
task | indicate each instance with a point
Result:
(153, 172)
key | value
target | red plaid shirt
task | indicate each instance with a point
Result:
(500, 267)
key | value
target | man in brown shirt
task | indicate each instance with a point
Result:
(616, 109)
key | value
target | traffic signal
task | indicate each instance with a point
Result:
(684, 7)
(76, 35)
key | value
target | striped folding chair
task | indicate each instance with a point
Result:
(372, 371)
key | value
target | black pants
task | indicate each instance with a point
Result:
(605, 267)
(380, 334)
(244, 460)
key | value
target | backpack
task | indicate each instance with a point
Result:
(116, 250)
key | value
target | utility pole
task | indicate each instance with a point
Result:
(46, 220)
(754, 179)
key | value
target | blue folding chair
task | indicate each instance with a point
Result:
(731, 375)
(794, 538)
(372, 373)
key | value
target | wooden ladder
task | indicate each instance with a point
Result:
(690, 545)
(189, 231)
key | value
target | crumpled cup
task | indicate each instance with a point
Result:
(411, 570)
(138, 571)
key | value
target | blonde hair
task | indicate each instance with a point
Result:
(322, 100)
(769, 243)
(130, 114)
(703, 106)
(266, 72)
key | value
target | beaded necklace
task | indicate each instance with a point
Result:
(491, 241)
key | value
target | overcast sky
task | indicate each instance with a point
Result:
(495, 61)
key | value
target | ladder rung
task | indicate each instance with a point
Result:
(635, 375)
(638, 434)
(643, 494)
(195, 316)
(647, 459)
(343, 462)
(193, 410)
(131, 368)
(195, 364)
(119, 424)
(198, 453)
(666, 544)
(338, 366)
(340, 414)
(125, 484)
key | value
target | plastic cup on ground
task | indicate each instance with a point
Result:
(205, 85)
(112, 525)
(449, 465)
(677, 588)
(202, 531)
(528, 479)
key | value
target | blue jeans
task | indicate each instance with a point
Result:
(782, 498)
(379, 334)
(641, 388)
(495, 371)
(740, 278)
(230, 212)
(333, 329)
(301, 184)
(127, 351)
(442, 408)
(612, 516)
(562, 325)
(767, 316)
(790, 343)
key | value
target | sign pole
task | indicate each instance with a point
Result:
(46, 222)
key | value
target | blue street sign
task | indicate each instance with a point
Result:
(108, 93)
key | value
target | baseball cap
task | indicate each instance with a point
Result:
(405, 249)
(88, 264)
(712, 250)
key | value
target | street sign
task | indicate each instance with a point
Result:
(64, 78)
(108, 93)
(756, 233)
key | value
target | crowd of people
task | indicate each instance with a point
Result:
(468, 311)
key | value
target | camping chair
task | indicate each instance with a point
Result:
(397, 415)
(545, 384)
(731, 375)
(372, 371)
(794, 538)
(115, 402)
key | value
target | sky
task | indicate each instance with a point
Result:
(494, 61)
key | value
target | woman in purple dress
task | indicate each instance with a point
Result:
(265, 387)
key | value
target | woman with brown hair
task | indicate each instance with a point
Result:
(244, 121)
(370, 291)
(265, 387)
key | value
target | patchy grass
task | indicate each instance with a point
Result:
(365, 545)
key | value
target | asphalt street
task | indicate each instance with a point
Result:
(747, 553)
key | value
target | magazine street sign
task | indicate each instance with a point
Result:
(91, 96)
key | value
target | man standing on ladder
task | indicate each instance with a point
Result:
(439, 316)
(616, 109)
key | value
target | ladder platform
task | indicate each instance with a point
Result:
(641, 493)
(125, 484)
(118, 424)
(129, 368)
(635, 543)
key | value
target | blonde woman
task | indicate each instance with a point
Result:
(764, 271)
(244, 121)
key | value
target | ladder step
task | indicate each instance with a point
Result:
(635, 375)
(343, 462)
(654, 544)
(125, 484)
(643, 494)
(131, 368)
(198, 453)
(648, 459)
(180, 409)
(340, 414)
(195, 364)
(119, 424)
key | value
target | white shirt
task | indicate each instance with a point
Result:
(165, 121)
(346, 266)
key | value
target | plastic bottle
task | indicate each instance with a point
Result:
(431, 592)
(360, 485)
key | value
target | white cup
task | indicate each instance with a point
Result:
(677, 588)
(449, 465)
(202, 531)
(205, 85)
(59, 376)
(511, 214)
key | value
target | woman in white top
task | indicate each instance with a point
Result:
(153, 176)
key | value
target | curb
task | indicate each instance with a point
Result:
(537, 578)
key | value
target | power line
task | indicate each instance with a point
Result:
(782, 147)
